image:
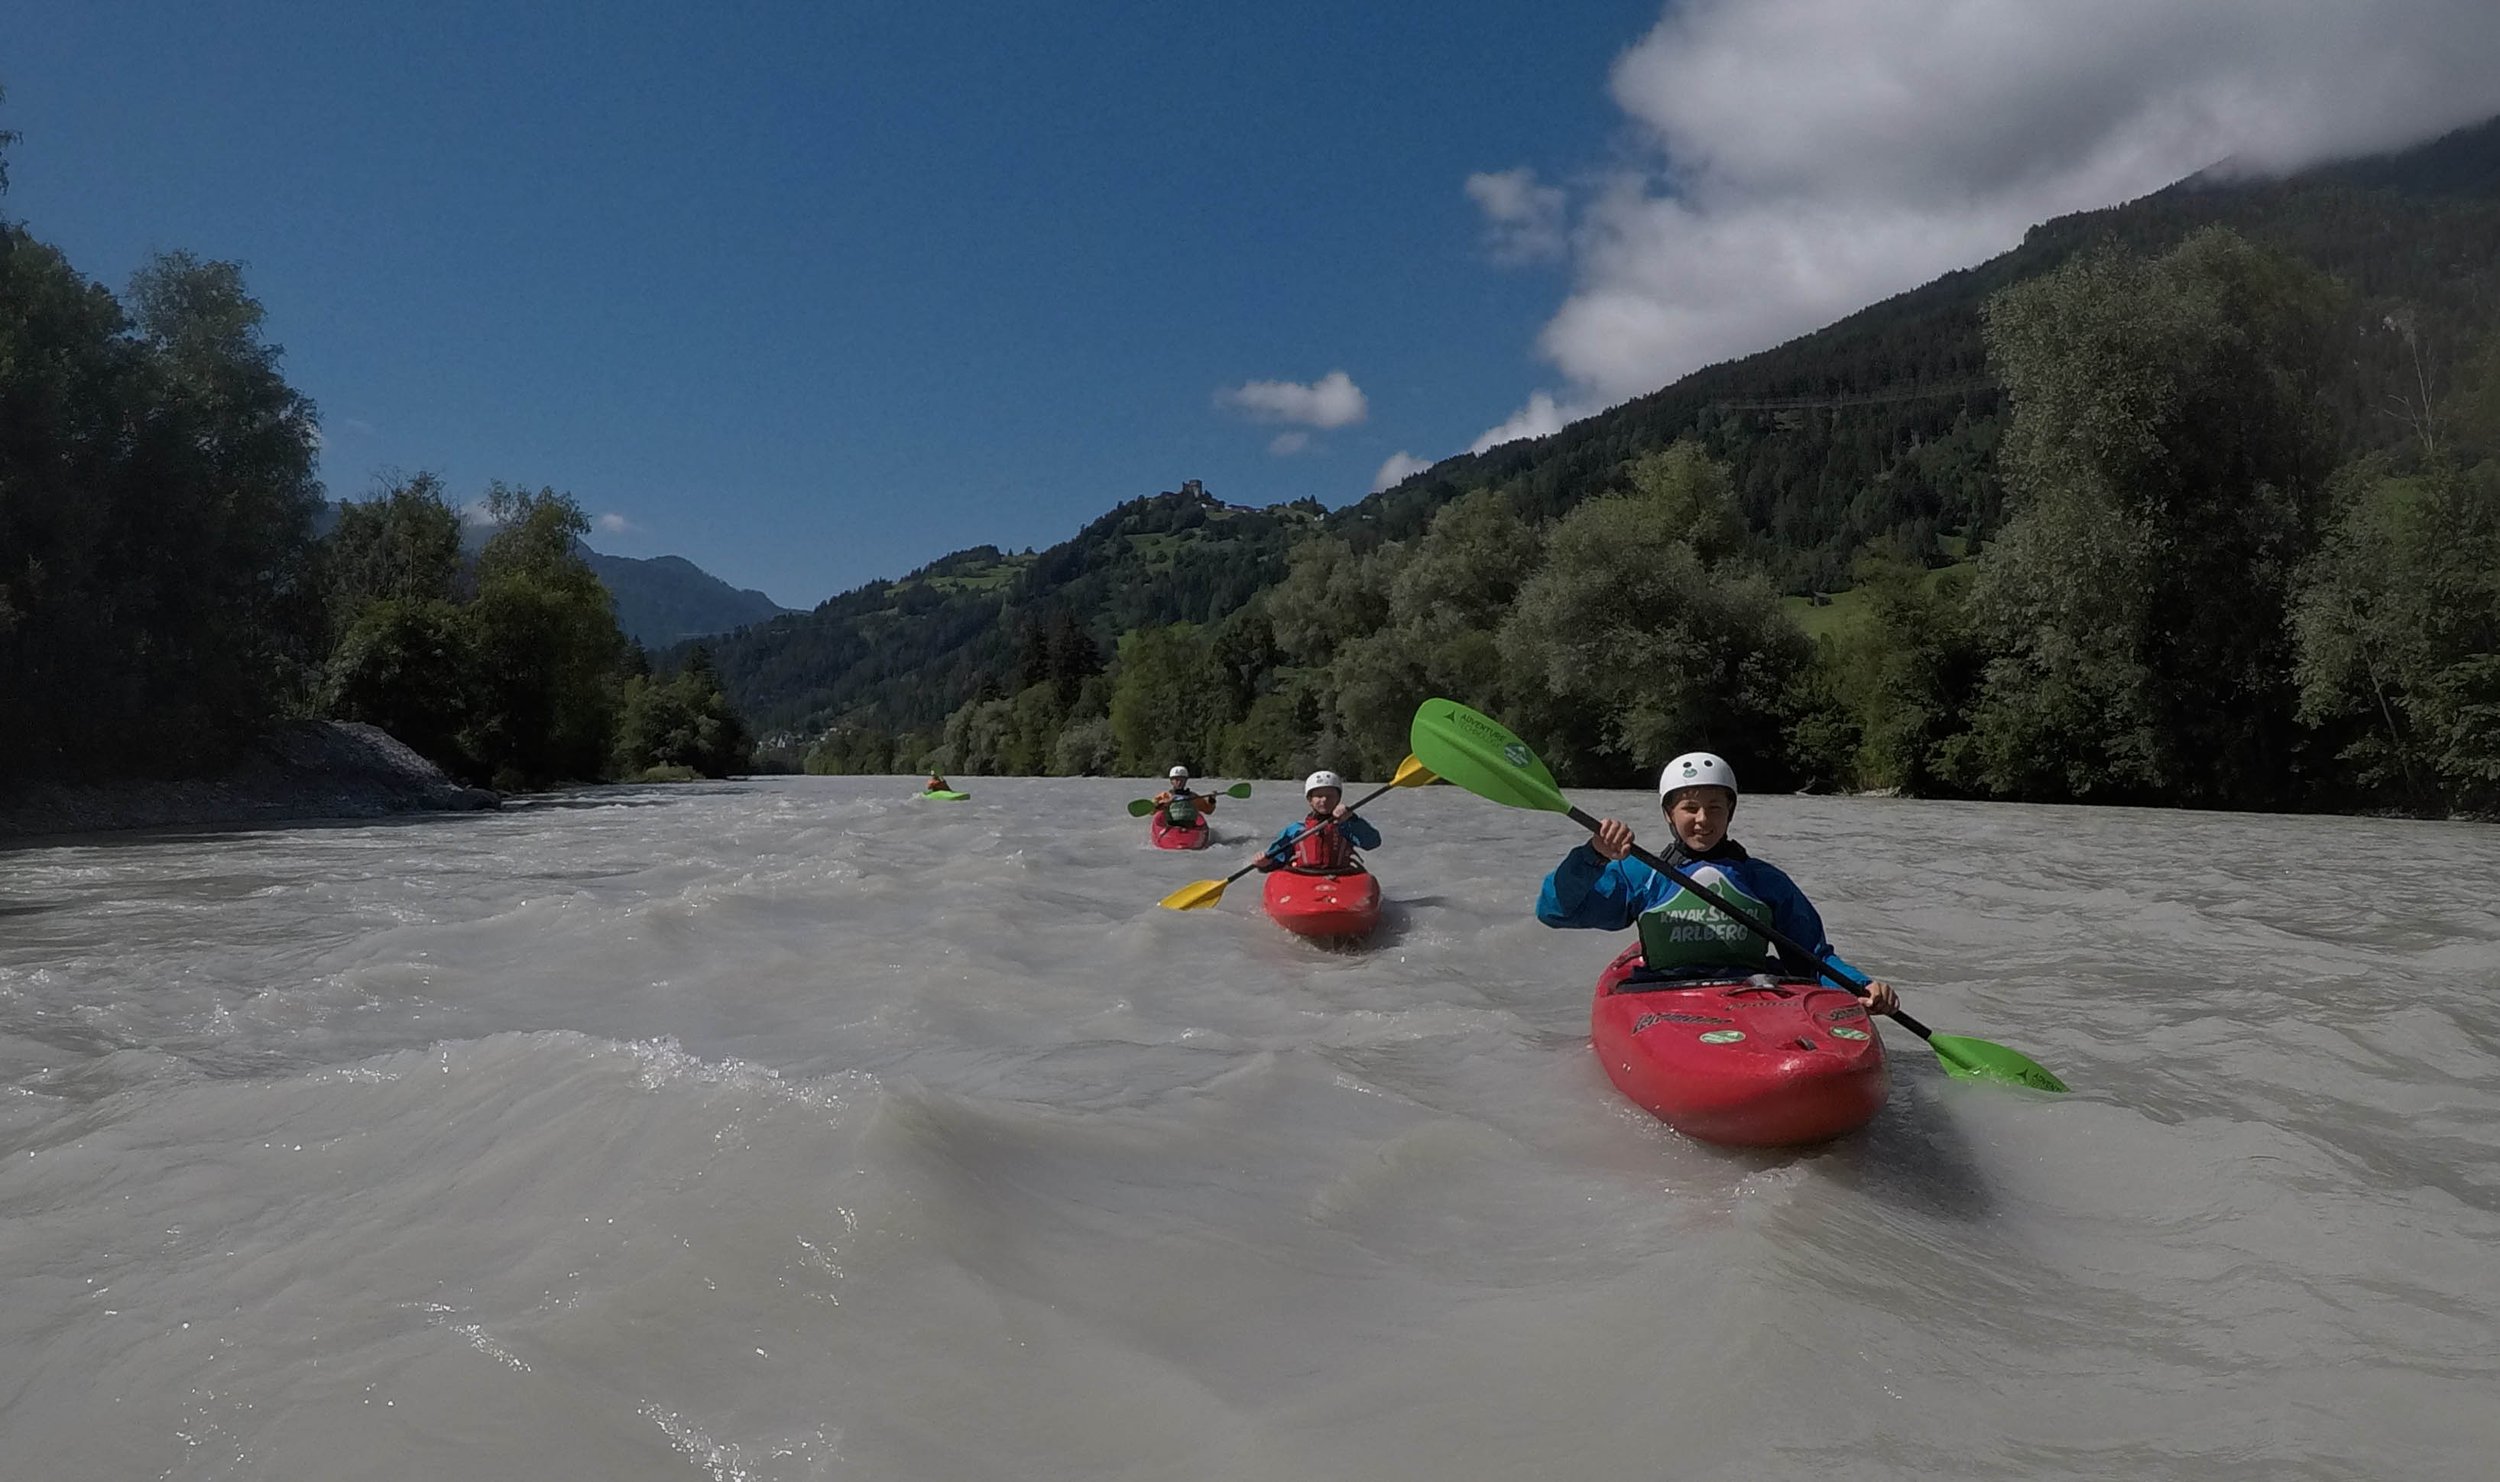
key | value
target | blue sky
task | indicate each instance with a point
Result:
(812, 293)
(809, 293)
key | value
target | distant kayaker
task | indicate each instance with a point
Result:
(1327, 839)
(1596, 886)
(1181, 806)
(937, 784)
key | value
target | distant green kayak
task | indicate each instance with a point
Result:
(943, 797)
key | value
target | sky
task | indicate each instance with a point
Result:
(814, 293)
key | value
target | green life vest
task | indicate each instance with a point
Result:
(1181, 812)
(1685, 933)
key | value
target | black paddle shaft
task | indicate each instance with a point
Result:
(1357, 806)
(1752, 923)
(1374, 796)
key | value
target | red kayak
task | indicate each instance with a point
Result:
(1313, 903)
(1169, 835)
(1746, 1064)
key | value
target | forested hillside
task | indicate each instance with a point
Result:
(2104, 498)
(1885, 424)
(901, 654)
(661, 600)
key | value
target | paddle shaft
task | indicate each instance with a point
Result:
(1356, 806)
(1761, 928)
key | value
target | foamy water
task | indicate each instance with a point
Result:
(799, 1130)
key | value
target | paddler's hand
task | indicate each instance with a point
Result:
(1342, 812)
(1880, 999)
(1613, 838)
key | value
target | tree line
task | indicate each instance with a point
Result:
(1880, 432)
(164, 598)
(2208, 587)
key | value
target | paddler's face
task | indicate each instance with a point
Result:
(1699, 816)
(1324, 799)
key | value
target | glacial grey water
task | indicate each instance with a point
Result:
(797, 1130)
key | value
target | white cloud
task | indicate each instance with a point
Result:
(1401, 466)
(1286, 444)
(1524, 220)
(616, 524)
(1799, 159)
(477, 514)
(1331, 401)
(1543, 415)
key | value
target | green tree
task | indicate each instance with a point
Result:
(1285, 731)
(230, 449)
(156, 496)
(7, 138)
(680, 723)
(1167, 705)
(407, 665)
(403, 545)
(1086, 748)
(2398, 630)
(1908, 674)
(1626, 646)
(1329, 596)
(545, 634)
(2165, 468)
(853, 751)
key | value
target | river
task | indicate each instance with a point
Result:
(796, 1129)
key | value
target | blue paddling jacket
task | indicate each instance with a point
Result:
(1682, 937)
(1356, 829)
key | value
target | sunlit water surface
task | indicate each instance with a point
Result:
(799, 1130)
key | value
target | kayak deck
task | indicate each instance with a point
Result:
(1169, 835)
(1313, 903)
(1757, 1063)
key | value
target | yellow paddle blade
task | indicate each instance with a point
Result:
(1194, 895)
(1412, 773)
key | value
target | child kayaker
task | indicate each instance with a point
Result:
(1327, 839)
(1182, 807)
(1598, 887)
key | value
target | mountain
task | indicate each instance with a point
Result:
(1881, 427)
(667, 599)
(902, 654)
(660, 601)
(1884, 423)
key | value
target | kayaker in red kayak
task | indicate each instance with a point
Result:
(1597, 887)
(1327, 839)
(1181, 807)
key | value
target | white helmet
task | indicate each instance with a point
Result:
(1320, 779)
(1696, 769)
(1178, 774)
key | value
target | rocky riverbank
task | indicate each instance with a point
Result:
(302, 772)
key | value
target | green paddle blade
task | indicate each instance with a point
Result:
(1140, 807)
(1474, 752)
(1238, 790)
(1978, 1060)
